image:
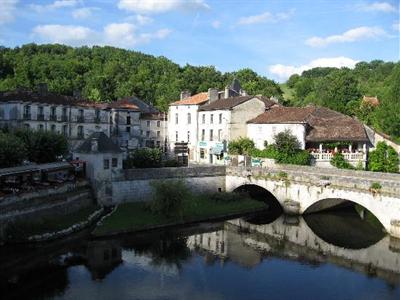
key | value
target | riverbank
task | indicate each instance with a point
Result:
(50, 228)
(136, 216)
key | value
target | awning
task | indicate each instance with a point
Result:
(217, 149)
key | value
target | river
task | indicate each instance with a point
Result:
(335, 255)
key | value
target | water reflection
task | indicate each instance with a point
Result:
(235, 259)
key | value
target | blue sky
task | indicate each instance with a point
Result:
(275, 38)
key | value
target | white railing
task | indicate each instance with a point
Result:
(356, 156)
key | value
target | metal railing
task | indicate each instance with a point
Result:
(80, 119)
(53, 117)
(27, 116)
(40, 117)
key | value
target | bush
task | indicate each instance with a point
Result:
(299, 157)
(339, 161)
(12, 150)
(383, 159)
(241, 146)
(170, 163)
(226, 197)
(42, 146)
(168, 197)
(144, 158)
(269, 152)
(286, 142)
(376, 186)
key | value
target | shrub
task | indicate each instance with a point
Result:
(376, 186)
(144, 158)
(12, 150)
(170, 163)
(226, 197)
(168, 197)
(299, 157)
(286, 142)
(269, 152)
(42, 146)
(383, 159)
(340, 162)
(241, 146)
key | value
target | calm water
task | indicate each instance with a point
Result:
(325, 256)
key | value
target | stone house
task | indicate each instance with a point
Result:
(319, 130)
(153, 130)
(103, 160)
(224, 120)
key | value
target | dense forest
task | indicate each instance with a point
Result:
(107, 73)
(343, 90)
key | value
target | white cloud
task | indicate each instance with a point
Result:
(285, 71)
(7, 11)
(68, 34)
(377, 6)
(216, 24)
(143, 20)
(265, 17)
(55, 5)
(396, 26)
(157, 6)
(83, 13)
(116, 34)
(351, 35)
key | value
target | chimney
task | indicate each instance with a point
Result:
(226, 94)
(185, 94)
(42, 88)
(76, 94)
(212, 94)
(94, 145)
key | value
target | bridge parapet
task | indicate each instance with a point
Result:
(350, 179)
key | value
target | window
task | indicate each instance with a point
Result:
(211, 134)
(148, 123)
(106, 164)
(176, 119)
(97, 113)
(27, 126)
(128, 120)
(158, 143)
(203, 120)
(202, 153)
(52, 112)
(158, 134)
(203, 134)
(53, 128)
(141, 132)
(220, 118)
(176, 136)
(40, 110)
(65, 128)
(219, 134)
(27, 112)
(128, 129)
(41, 127)
(189, 118)
(158, 124)
(188, 136)
(212, 119)
(147, 133)
(80, 131)
(114, 162)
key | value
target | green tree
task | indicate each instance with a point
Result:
(12, 150)
(383, 159)
(241, 146)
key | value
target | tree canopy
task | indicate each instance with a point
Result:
(107, 74)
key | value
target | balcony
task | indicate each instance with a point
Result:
(350, 156)
(27, 116)
(53, 118)
(64, 118)
(80, 119)
(40, 117)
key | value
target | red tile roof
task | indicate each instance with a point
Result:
(197, 99)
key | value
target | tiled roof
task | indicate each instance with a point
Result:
(323, 124)
(229, 103)
(197, 99)
(104, 144)
(153, 116)
(123, 104)
(135, 103)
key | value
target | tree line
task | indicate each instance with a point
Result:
(107, 74)
(343, 90)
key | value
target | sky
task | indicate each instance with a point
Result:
(276, 38)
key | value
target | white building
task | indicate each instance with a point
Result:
(153, 130)
(319, 130)
(224, 120)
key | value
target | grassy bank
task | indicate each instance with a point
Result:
(137, 216)
(21, 230)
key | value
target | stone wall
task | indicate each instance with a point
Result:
(136, 185)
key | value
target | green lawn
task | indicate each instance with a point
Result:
(24, 229)
(136, 216)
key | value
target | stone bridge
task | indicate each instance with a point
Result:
(302, 190)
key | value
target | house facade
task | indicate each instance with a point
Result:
(224, 120)
(319, 130)
(154, 130)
